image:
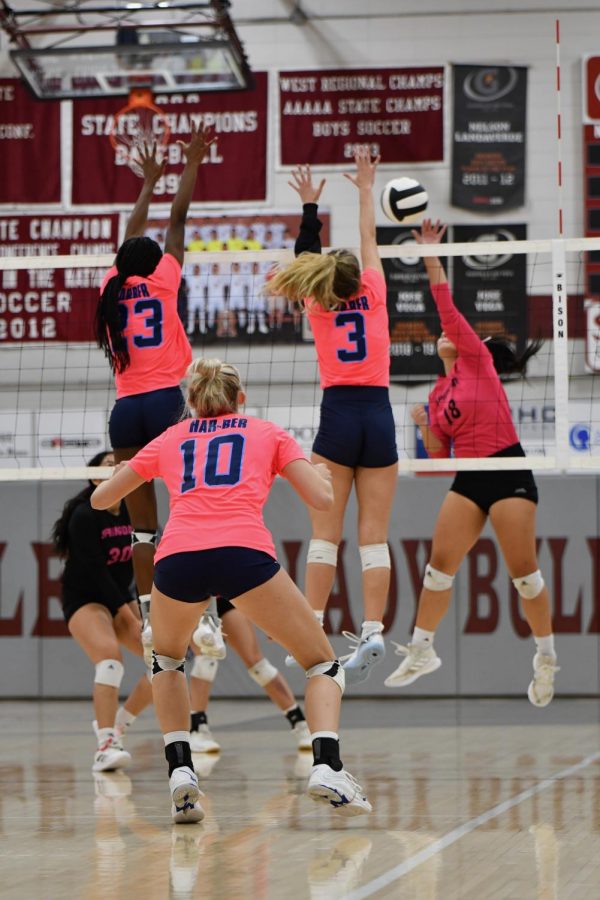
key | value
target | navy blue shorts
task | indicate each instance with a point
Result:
(223, 606)
(357, 427)
(486, 488)
(225, 571)
(138, 419)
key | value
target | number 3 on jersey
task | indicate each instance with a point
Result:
(212, 476)
(356, 336)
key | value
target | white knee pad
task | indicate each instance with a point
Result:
(529, 586)
(374, 556)
(322, 552)
(166, 664)
(435, 580)
(263, 672)
(144, 537)
(333, 669)
(205, 668)
(110, 672)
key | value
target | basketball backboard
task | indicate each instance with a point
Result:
(110, 48)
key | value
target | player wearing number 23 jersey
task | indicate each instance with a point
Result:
(159, 351)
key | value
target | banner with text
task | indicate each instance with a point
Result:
(52, 304)
(488, 137)
(29, 146)
(324, 114)
(414, 324)
(491, 291)
(233, 171)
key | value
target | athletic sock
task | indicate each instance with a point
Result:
(177, 750)
(319, 615)
(294, 715)
(371, 626)
(198, 719)
(124, 718)
(422, 638)
(545, 645)
(326, 750)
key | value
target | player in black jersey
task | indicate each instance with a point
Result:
(100, 611)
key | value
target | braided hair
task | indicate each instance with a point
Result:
(137, 256)
(60, 529)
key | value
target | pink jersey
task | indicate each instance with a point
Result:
(353, 341)
(158, 347)
(218, 473)
(468, 408)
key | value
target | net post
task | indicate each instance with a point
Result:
(561, 353)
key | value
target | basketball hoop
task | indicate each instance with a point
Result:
(140, 123)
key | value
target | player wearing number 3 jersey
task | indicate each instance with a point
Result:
(468, 410)
(138, 328)
(347, 311)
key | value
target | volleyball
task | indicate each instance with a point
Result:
(403, 199)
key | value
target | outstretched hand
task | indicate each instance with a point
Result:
(365, 167)
(197, 148)
(430, 233)
(150, 162)
(303, 185)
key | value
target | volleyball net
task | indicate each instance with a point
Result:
(56, 389)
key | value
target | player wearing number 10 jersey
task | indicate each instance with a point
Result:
(357, 437)
(138, 328)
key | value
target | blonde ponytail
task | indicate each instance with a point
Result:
(213, 388)
(327, 280)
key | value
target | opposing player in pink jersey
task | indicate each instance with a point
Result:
(469, 412)
(348, 315)
(138, 328)
(219, 467)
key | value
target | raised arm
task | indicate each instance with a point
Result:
(194, 152)
(431, 233)
(308, 240)
(455, 326)
(311, 482)
(152, 169)
(364, 179)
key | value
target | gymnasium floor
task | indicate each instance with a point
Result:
(475, 799)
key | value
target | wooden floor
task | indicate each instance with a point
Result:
(477, 800)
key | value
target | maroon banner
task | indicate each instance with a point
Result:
(29, 146)
(324, 114)
(44, 305)
(234, 170)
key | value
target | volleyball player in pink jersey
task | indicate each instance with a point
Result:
(139, 329)
(348, 315)
(469, 412)
(219, 467)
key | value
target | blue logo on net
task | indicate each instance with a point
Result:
(580, 437)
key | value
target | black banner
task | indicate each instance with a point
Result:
(491, 291)
(414, 326)
(488, 145)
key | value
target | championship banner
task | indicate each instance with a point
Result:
(224, 302)
(52, 304)
(488, 137)
(29, 146)
(414, 324)
(491, 291)
(324, 114)
(233, 171)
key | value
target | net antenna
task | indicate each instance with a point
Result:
(138, 124)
